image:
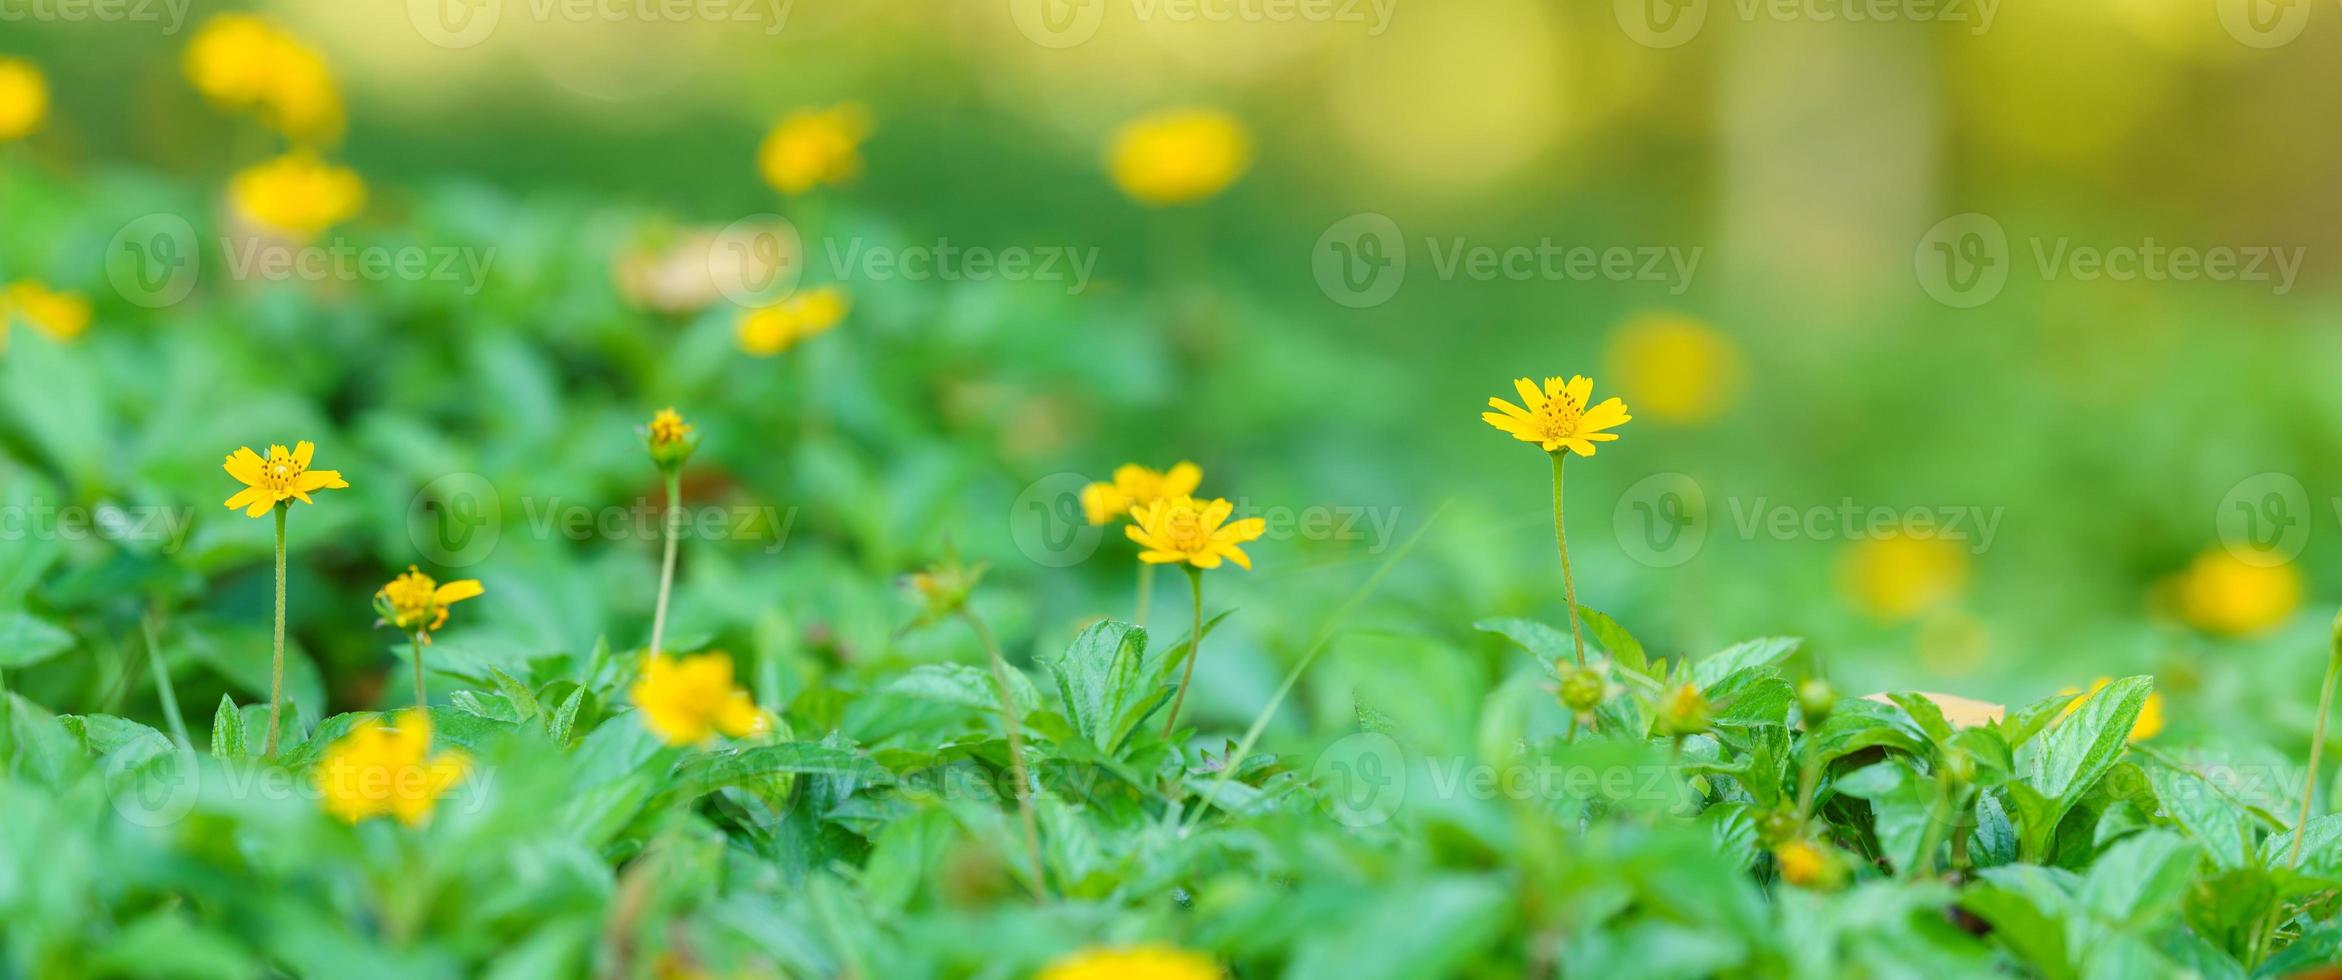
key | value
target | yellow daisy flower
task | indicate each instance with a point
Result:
(1179, 156)
(281, 477)
(24, 98)
(2220, 593)
(1184, 529)
(774, 329)
(1897, 576)
(1556, 417)
(61, 315)
(377, 771)
(297, 194)
(1808, 865)
(415, 603)
(1137, 486)
(686, 700)
(1679, 369)
(242, 62)
(1147, 962)
(2150, 715)
(812, 147)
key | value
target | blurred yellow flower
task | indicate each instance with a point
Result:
(774, 329)
(685, 701)
(1184, 529)
(1179, 156)
(1138, 486)
(1556, 417)
(415, 603)
(1147, 962)
(281, 477)
(1896, 576)
(61, 315)
(2150, 714)
(1679, 369)
(2223, 594)
(240, 62)
(297, 194)
(1808, 865)
(24, 98)
(377, 771)
(669, 438)
(812, 147)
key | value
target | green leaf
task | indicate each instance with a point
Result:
(964, 686)
(227, 732)
(26, 640)
(1111, 682)
(1543, 642)
(1615, 640)
(2139, 881)
(524, 701)
(1903, 808)
(2068, 760)
(1759, 653)
(2035, 934)
(565, 719)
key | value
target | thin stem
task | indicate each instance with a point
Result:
(1146, 592)
(276, 669)
(667, 564)
(1569, 585)
(1014, 721)
(162, 677)
(422, 693)
(1195, 640)
(2317, 742)
(1809, 780)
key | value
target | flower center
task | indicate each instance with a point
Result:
(280, 471)
(1559, 416)
(1185, 528)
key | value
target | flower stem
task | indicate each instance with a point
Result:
(276, 669)
(1195, 640)
(1569, 585)
(162, 678)
(1146, 592)
(1014, 721)
(2317, 742)
(667, 564)
(422, 693)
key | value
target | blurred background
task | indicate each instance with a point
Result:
(1987, 346)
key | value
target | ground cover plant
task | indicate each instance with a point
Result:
(414, 573)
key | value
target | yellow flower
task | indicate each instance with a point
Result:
(61, 315)
(281, 477)
(686, 701)
(239, 62)
(1184, 529)
(2150, 715)
(773, 329)
(376, 771)
(1147, 962)
(1179, 156)
(1679, 369)
(1557, 417)
(2223, 594)
(1808, 865)
(24, 98)
(297, 194)
(414, 603)
(1137, 486)
(670, 439)
(1896, 576)
(812, 147)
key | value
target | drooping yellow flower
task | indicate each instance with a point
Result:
(1147, 962)
(1137, 486)
(297, 194)
(242, 62)
(686, 700)
(61, 315)
(24, 98)
(281, 477)
(1680, 370)
(1896, 576)
(669, 439)
(415, 603)
(1179, 156)
(2220, 593)
(2150, 715)
(388, 771)
(812, 147)
(1184, 529)
(773, 329)
(1556, 417)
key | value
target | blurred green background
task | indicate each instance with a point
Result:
(1813, 357)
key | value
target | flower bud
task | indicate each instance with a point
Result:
(1815, 698)
(1581, 689)
(669, 439)
(1809, 865)
(1683, 711)
(1959, 767)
